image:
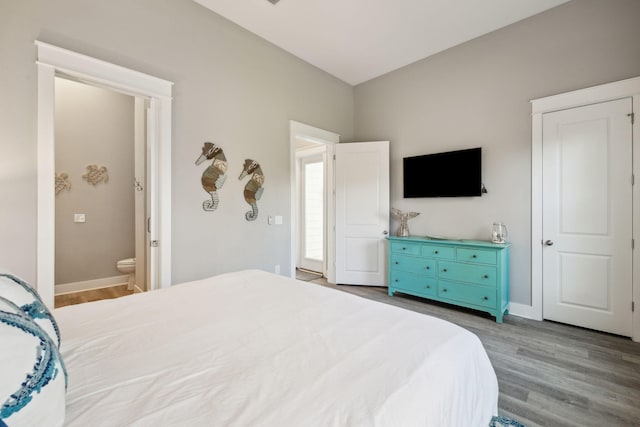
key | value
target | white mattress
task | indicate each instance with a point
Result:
(255, 349)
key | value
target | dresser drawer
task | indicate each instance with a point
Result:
(476, 255)
(438, 252)
(480, 274)
(484, 296)
(413, 283)
(405, 248)
(413, 264)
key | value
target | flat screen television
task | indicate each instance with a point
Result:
(450, 174)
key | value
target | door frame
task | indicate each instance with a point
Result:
(297, 131)
(52, 61)
(629, 88)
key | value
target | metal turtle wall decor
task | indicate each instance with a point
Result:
(96, 174)
(214, 175)
(253, 190)
(62, 182)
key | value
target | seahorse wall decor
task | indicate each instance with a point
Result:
(214, 175)
(253, 190)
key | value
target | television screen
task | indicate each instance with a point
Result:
(450, 174)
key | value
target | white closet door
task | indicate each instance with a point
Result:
(362, 212)
(587, 216)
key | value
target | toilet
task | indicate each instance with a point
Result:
(128, 266)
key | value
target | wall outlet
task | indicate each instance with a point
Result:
(278, 219)
(79, 218)
(277, 269)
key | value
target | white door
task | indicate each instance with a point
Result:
(312, 211)
(587, 216)
(362, 212)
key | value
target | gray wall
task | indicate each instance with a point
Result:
(231, 87)
(93, 126)
(477, 94)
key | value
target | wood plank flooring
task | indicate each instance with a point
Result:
(92, 295)
(550, 374)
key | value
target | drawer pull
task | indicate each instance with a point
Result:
(435, 252)
(428, 268)
(404, 249)
(396, 280)
(444, 290)
(485, 298)
(397, 263)
(428, 287)
(486, 276)
(474, 256)
(444, 270)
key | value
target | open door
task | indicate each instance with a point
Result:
(362, 212)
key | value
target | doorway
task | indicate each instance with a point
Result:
(100, 158)
(54, 61)
(312, 195)
(312, 160)
(584, 208)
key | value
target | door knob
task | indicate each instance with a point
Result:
(548, 242)
(385, 232)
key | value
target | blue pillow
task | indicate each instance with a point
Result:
(21, 294)
(32, 375)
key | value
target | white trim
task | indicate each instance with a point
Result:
(45, 249)
(88, 285)
(52, 60)
(590, 95)
(607, 92)
(310, 133)
(97, 71)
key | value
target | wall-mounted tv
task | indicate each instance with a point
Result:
(450, 174)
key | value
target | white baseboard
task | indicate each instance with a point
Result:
(88, 285)
(522, 310)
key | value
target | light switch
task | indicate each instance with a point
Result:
(270, 220)
(278, 219)
(79, 218)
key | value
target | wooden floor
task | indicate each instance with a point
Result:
(93, 295)
(550, 374)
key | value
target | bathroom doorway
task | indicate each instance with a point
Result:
(101, 204)
(53, 61)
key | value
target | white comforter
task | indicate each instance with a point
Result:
(255, 349)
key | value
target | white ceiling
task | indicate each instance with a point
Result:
(357, 40)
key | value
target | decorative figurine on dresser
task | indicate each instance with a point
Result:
(468, 273)
(403, 229)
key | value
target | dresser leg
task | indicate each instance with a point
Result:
(499, 317)
(391, 292)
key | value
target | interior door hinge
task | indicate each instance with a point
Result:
(633, 243)
(154, 244)
(633, 179)
(633, 117)
(633, 306)
(334, 157)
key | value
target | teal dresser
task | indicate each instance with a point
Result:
(469, 273)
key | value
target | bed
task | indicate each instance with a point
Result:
(255, 349)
